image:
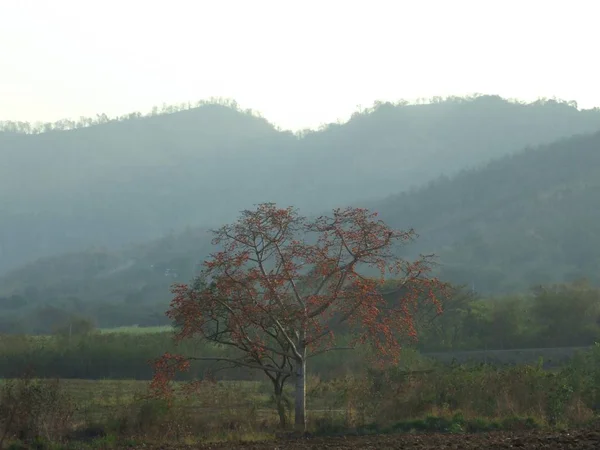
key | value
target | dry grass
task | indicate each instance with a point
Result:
(456, 399)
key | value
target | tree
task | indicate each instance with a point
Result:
(282, 285)
(75, 326)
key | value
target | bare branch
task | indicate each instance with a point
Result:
(239, 363)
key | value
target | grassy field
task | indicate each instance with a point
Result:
(456, 399)
(138, 330)
(223, 411)
(98, 400)
(550, 357)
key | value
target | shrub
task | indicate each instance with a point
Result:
(33, 410)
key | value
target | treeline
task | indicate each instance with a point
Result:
(85, 354)
(566, 315)
(22, 127)
(112, 289)
(561, 315)
(18, 316)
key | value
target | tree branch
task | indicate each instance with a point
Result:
(240, 364)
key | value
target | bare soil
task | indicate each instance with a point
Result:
(488, 441)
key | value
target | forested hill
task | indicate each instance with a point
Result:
(110, 183)
(524, 219)
(125, 287)
(519, 221)
(125, 181)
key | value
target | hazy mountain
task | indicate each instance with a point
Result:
(523, 219)
(111, 183)
(115, 288)
(126, 181)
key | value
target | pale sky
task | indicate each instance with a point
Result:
(301, 63)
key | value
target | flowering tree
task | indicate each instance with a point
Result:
(281, 284)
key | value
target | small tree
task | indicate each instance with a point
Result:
(75, 326)
(281, 285)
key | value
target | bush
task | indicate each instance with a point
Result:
(33, 411)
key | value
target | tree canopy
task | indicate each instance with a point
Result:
(283, 285)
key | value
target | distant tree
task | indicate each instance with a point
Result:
(282, 284)
(75, 326)
(445, 332)
(567, 314)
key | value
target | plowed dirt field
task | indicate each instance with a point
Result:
(487, 441)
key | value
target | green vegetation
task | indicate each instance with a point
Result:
(514, 349)
(138, 330)
(562, 315)
(121, 355)
(102, 402)
(525, 219)
(469, 323)
(455, 399)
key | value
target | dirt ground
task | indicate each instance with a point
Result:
(487, 441)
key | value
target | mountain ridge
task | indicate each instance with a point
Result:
(521, 220)
(122, 182)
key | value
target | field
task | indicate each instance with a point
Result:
(219, 411)
(459, 406)
(98, 400)
(238, 415)
(515, 400)
(138, 330)
(584, 440)
(550, 357)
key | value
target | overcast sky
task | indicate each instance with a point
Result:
(301, 63)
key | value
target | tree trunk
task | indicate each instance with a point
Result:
(300, 401)
(280, 401)
(281, 411)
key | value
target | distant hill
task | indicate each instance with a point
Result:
(521, 220)
(524, 219)
(111, 183)
(115, 288)
(125, 181)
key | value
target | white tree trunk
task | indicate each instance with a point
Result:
(300, 401)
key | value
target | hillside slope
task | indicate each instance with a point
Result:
(522, 220)
(121, 182)
(529, 218)
(115, 288)
(128, 181)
